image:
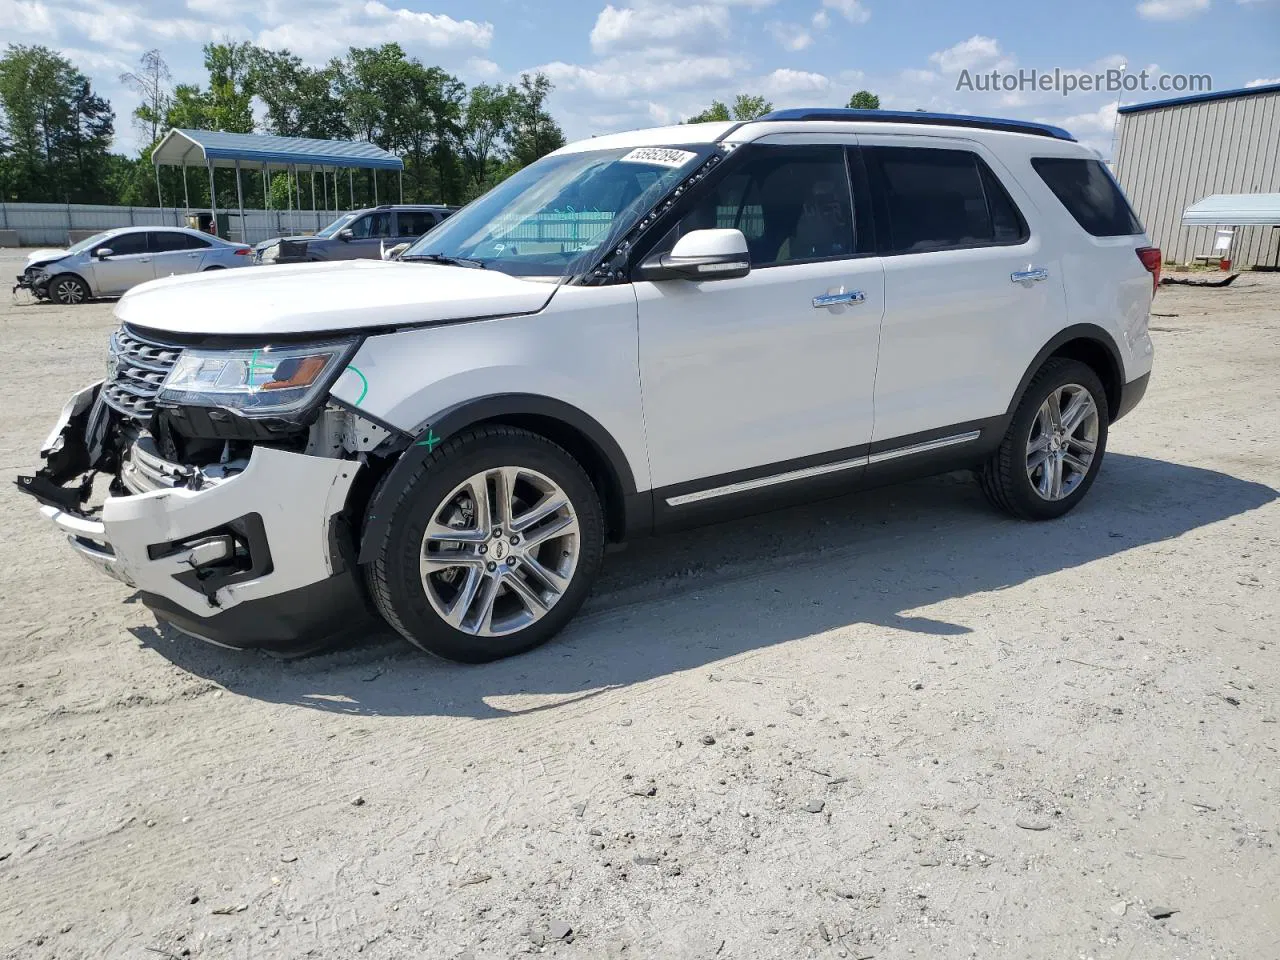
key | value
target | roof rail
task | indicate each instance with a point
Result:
(920, 117)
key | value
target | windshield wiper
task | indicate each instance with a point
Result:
(445, 259)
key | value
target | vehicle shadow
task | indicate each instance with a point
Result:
(677, 603)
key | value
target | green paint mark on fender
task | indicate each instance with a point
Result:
(431, 442)
(363, 379)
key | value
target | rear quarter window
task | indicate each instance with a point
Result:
(1090, 194)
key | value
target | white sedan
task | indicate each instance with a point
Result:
(109, 263)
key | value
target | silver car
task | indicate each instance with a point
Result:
(109, 263)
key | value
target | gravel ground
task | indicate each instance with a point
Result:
(893, 725)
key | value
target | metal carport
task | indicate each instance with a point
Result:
(213, 149)
(1236, 210)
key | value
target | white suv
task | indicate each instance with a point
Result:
(638, 332)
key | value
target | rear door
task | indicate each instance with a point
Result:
(973, 289)
(130, 263)
(177, 253)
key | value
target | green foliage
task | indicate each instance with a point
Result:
(864, 100)
(746, 106)
(716, 112)
(54, 130)
(456, 142)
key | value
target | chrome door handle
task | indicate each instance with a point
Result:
(835, 299)
(1025, 276)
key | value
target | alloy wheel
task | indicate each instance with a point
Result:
(68, 292)
(1063, 442)
(499, 551)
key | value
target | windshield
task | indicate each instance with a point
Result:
(88, 242)
(548, 219)
(337, 225)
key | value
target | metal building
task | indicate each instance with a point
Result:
(1173, 153)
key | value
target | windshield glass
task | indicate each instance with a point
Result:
(337, 225)
(88, 242)
(548, 219)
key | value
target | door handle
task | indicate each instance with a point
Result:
(1025, 276)
(144, 259)
(835, 299)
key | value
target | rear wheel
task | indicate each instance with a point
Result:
(1053, 449)
(492, 546)
(68, 290)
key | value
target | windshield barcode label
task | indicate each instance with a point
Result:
(662, 156)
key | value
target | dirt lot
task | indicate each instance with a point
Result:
(894, 725)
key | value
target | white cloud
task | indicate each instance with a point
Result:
(480, 67)
(620, 28)
(784, 81)
(617, 80)
(976, 52)
(790, 36)
(1102, 120)
(29, 17)
(852, 10)
(822, 19)
(1171, 9)
(912, 75)
(329, 30)
(1262, 81)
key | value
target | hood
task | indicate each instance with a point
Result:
(326, 297)
(44, 256)
(274, 240)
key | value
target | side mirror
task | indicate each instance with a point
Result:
(103, 252)
(345, 235)
(701, 255)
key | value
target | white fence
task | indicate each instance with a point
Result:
(50, 224)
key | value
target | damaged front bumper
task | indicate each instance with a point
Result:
(258, 557)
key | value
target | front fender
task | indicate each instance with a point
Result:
(495, 407)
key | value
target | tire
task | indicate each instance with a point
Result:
(216, 266)
(68, 290)
(416, 584)
(1013, 481)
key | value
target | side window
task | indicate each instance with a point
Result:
(936, 199)
(792, 203)
(126, 244)
(372, 226)
(1090, 194)
(414, 223)
(168, 241)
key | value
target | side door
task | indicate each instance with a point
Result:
(761, 382)
(972, 289)
(129, 264)
(177, 253)
(367, 234)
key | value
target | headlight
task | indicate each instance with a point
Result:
(269, 382)
(269, 254)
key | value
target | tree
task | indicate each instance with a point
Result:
(57, 131)
(716, 112)
(300, 100)
(230, 96)
(151, 83)
(485, 122)
(747, 106)
(533, 133)
(864, 100)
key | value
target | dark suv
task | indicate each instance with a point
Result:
(357, 235)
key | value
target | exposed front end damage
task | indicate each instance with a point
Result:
(238, 533)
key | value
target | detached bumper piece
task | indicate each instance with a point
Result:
(252, 559)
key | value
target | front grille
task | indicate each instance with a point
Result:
(137, 368)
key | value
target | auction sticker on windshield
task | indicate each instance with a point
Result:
(662, 156)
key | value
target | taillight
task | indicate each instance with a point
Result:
(245, 251)
(1150, 257)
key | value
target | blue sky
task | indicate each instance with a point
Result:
(633, 63)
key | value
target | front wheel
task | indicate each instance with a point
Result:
(492, 546)
(1053, 449)
(68, 290)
